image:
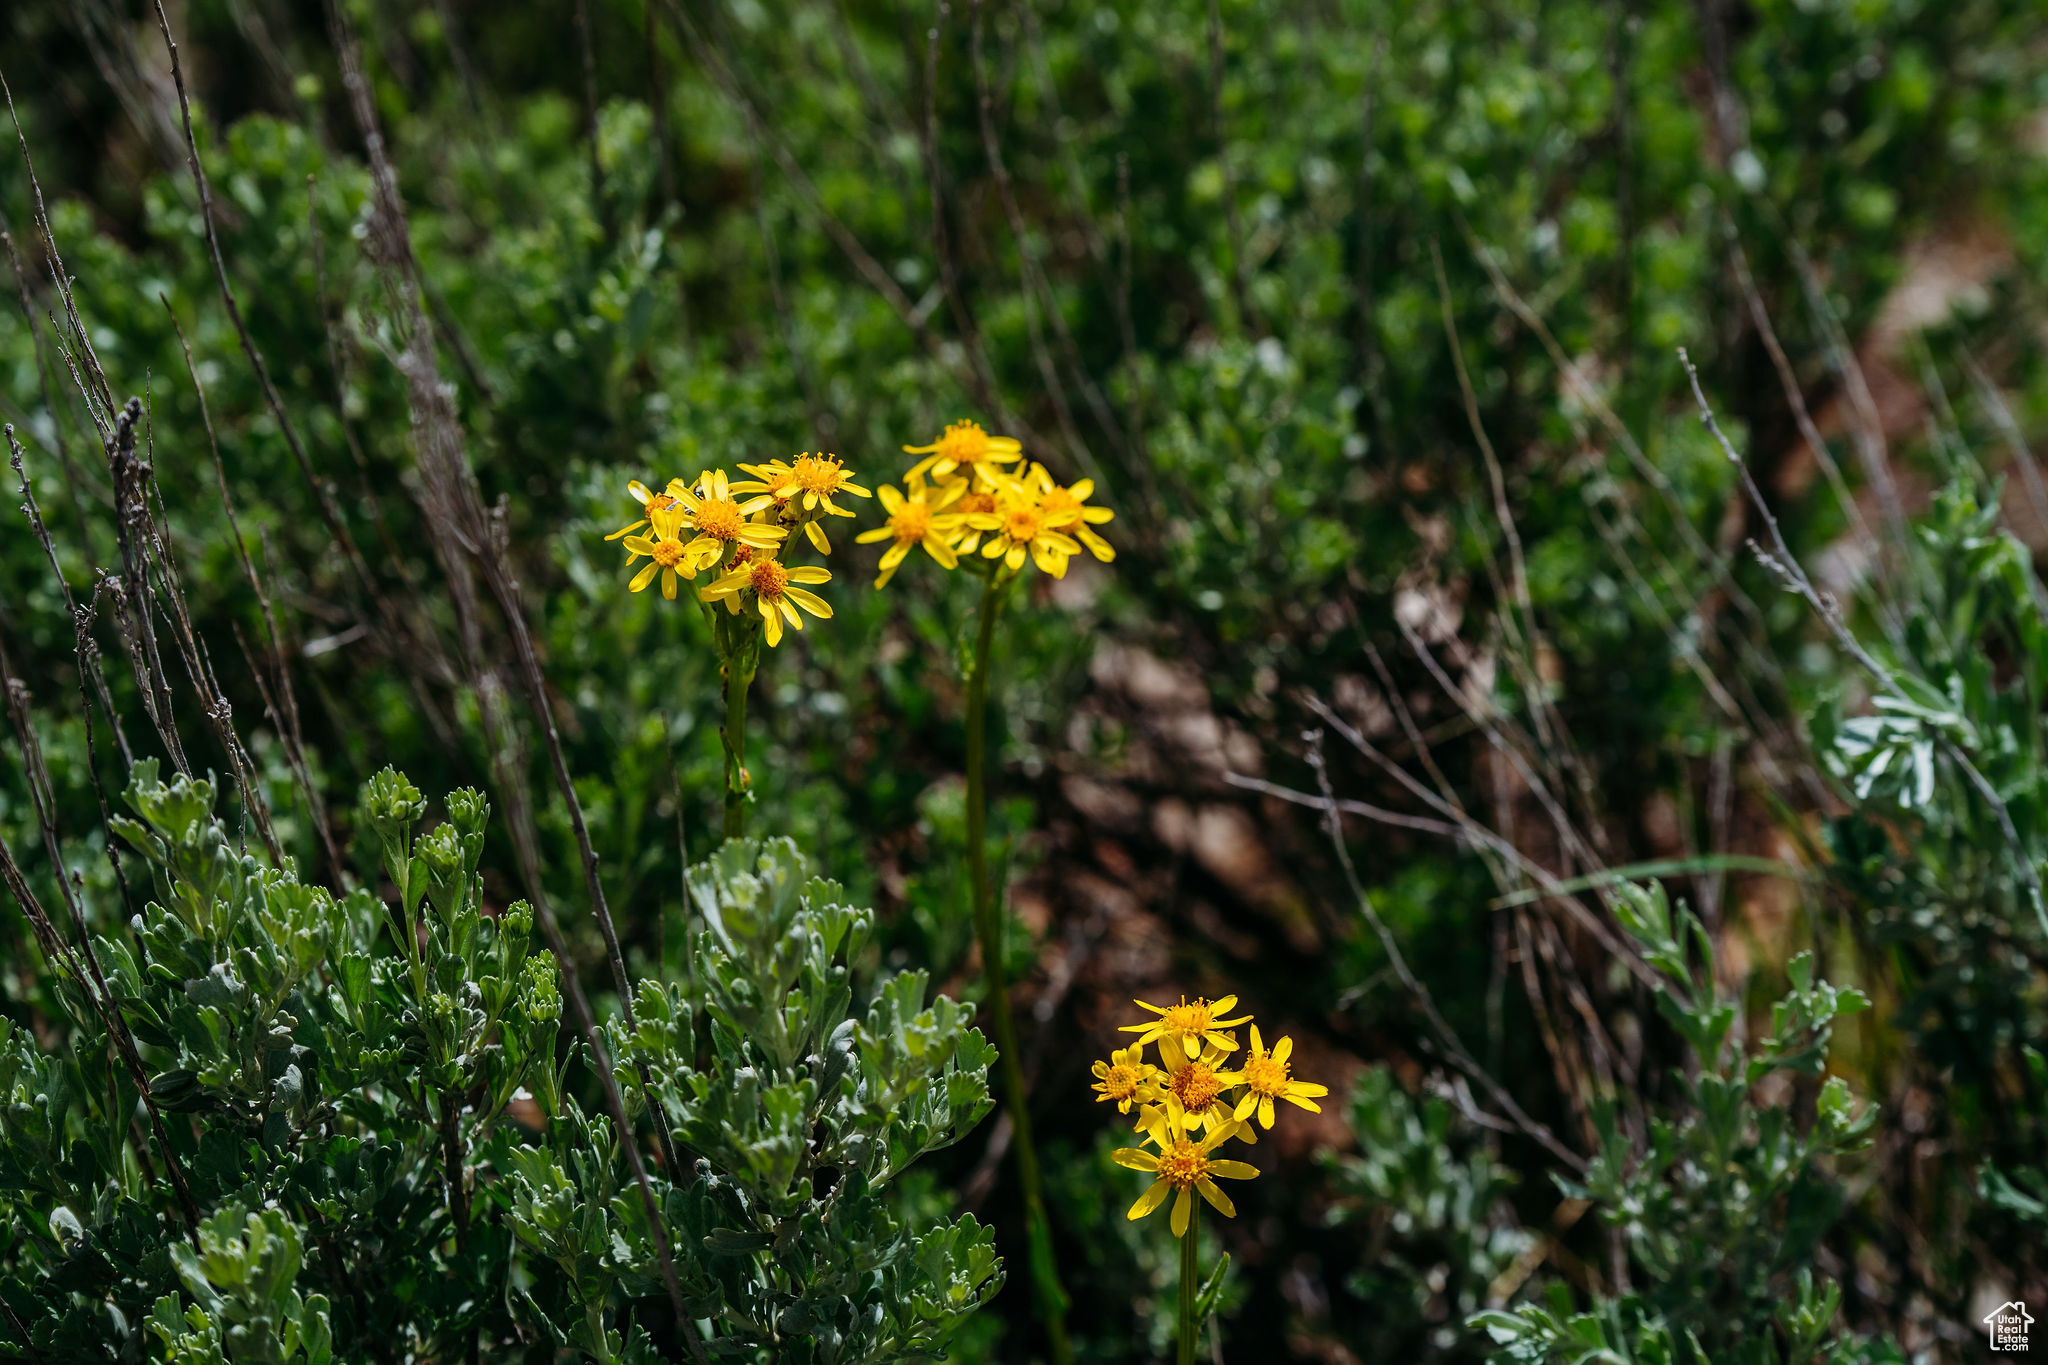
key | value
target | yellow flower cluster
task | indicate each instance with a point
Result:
(976, 492)
(742, 529)
(1192, 1102)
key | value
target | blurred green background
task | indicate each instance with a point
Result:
(1363, 316)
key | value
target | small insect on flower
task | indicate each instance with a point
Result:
(917, 519)
(1189, 1024)
(714, 511)
(1126, 1078)
(669, 556)
(1266, 1078)
(653, 502)
(775, 592)
(967, 451)
(1183, 1166)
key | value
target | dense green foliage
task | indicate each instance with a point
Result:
(354, 1085)
(1363, 316)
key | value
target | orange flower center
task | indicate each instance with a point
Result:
(1185, 1020)
(1265, 1076)
(668, 553)
(742, 554)
(720, 519)
(912, 524)
(1183, 1165)
(1021, 524)
(821, 474)
(1196, 1086)
(660, 502)
(1059, 503)
(768, 578)
(1122, 1082)
(964, 442)
(978, 502)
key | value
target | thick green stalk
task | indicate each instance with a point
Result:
(1190, 1272)
(1052, 1299)
(737, 676)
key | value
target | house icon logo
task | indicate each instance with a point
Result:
(2007, 1325)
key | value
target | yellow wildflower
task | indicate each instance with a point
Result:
(653, 502)
(965, 447)
(817, 477)
(666, 552)
(918, 519)
(1018, 527)
(1125, 1077)
(1189, 1024)
(713, 510)
(803, 491)
(1064, 508)
(973, 503)
(1182, 1166)
(775, 590)
(1266, 1078)
(1198, 1085)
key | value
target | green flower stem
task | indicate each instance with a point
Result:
(1190, 1271)
(1052, 1299)
(737, 676)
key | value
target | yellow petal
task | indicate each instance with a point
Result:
(1180, 1214)
(644, 577)
(1218, 1198)
(772, 624)
(1149, 1200)
(870, 537)
(810, 602)
(668, 584)
(817, 536)
(810, 573)
(1233, 1170)
(1135, 1158)
(1282, 1050)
